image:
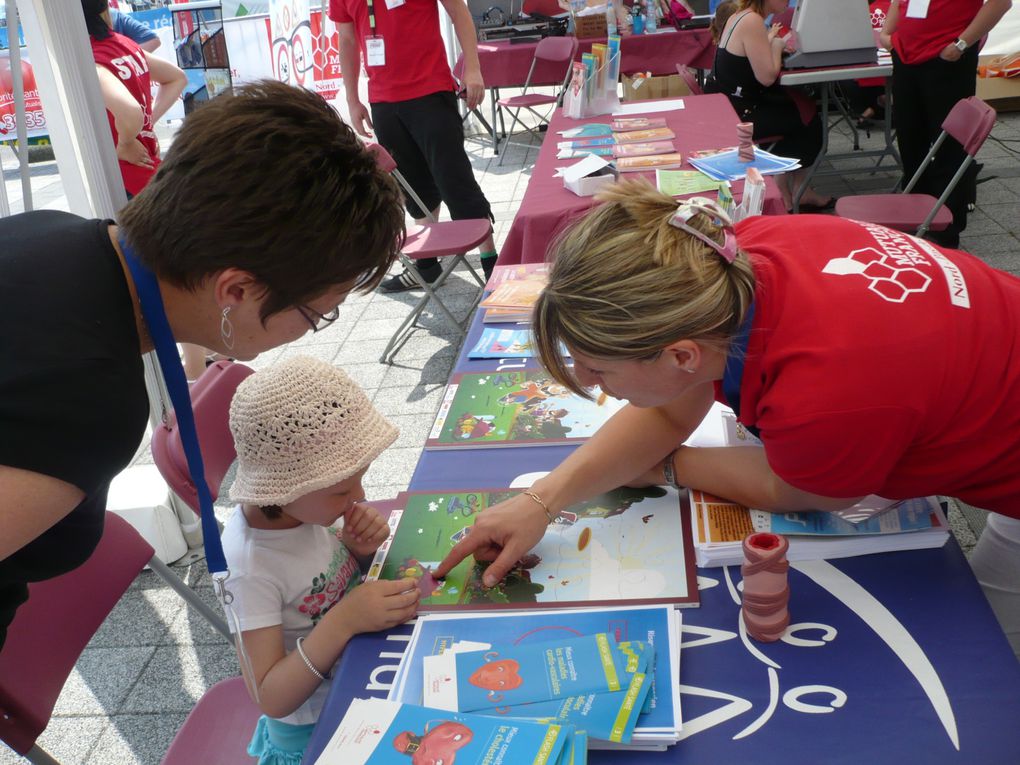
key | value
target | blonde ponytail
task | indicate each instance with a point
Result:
(625, 283)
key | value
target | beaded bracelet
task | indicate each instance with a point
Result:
(541, 502)
(307, 661)
(669, 472)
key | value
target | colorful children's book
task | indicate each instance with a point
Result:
(516, 273)
(625, 547)
(642, 149)
(649, 162)
(506, 316)
(376, 732)
(485, 680)
(644, 136)
(660, 625)
(627, 124)
(521, 293)
(503, 344)
(720, 526)
(522, 408)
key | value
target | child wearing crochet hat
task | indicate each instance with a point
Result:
(305, 435)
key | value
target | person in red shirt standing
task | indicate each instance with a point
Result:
(934, 46)
(125, 76)
(414, 105)
(867, 360)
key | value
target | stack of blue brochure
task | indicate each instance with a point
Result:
(377, 732)
(612, 673)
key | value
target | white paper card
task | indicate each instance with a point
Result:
(649, 107)
(375, 51)
(391, 4)
(917, 9)
(590, 164)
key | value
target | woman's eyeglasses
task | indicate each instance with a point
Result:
(318, 321)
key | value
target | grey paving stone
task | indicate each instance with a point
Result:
(189, 627)
(177, 676)
(69, 740)
(322, 351)
(136, 739)
(393, 467)
(140, 618)
(369, 376)
(101, 680)
(417, 399)
(989, 244)
(435, 370)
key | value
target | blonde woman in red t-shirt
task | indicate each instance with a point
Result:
(868, 361)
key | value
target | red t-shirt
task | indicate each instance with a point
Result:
(416, 62)
(878, 9)
(881, 364)
(919, 40)
(127, 61)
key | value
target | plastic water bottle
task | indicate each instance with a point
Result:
(637, 22)
(651, 16)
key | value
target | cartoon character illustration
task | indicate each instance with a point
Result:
(496, 675)
(473, 426)
(518, 347)
(437, 746)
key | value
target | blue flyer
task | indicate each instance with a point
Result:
(376, 732)
(437, 632)
(467, 682)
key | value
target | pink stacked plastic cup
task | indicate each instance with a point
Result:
(745, 146)
(766, 589)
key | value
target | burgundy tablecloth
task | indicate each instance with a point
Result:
(505, 64)
(706, 122)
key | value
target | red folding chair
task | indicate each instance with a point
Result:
(218, 729)
(51, 630)
(555, 50)
(449, 239)
(969, 122)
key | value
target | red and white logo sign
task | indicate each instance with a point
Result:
(890, 282)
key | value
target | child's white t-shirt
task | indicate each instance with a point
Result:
(289, 577)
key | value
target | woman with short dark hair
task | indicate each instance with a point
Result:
(265, 214)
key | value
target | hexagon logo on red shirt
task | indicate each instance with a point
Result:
(888, 281)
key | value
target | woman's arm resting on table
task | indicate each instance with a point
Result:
(30, 503)
(742, 474)
(630, 444)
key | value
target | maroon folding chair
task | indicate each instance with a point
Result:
(690, 80)
(450, 240)
(969, 122)
(51, 630)
(555, 50)
(218, 729)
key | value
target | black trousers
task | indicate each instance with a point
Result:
(425, 136)
(923, 95)
(778, 115)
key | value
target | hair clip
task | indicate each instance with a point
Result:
(688, 208)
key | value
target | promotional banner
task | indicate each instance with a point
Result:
(290, 32)
(34, 118)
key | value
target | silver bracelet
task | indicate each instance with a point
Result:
(669, 471)
(308, 663)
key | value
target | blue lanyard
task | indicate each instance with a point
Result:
(177, 385)
(734, 373)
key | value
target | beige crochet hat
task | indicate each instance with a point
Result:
(299, 426)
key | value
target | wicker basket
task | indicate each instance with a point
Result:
(588, 27)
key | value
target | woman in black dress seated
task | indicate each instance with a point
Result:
(747, 66)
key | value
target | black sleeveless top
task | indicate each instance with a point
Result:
(734, 76)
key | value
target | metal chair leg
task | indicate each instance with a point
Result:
(192, 598)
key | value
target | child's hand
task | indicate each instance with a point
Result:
(364, 530)
(380, 604)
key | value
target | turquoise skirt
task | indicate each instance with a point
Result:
(279, 743)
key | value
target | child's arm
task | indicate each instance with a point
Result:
(364, 530)
(283, 681)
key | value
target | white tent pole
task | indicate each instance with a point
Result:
(58, 44)
(18, 91)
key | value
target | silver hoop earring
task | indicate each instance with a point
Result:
(227, 330)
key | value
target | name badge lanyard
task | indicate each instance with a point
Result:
(375, 50)
(734, 372)
(177, 386)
